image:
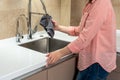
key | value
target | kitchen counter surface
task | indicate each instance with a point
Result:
(16, 60)
(118, 40)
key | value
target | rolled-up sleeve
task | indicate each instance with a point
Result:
(92, 25)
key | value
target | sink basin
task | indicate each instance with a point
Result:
(45, 45)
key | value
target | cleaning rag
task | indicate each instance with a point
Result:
(46, 22)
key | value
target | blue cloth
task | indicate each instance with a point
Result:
(46, 22)
(94, 72)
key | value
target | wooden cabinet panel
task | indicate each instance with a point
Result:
(62, 71)
(115, 75)
(38, 76)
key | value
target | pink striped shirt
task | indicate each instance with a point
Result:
(96, 33)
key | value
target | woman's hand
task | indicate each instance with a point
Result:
(54, 56)
(56, 26)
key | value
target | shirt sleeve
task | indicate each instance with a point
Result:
(73, 30)
(93, 24)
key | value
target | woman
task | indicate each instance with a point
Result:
(95, 43)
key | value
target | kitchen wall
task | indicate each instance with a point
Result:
(116, 5)
(11, 9)
(77, 6)
(65, 12)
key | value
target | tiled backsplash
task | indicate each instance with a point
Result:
(11, 9)
(8, 22)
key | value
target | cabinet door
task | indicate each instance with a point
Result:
(63, 71)
(115, 75)
(38, 76)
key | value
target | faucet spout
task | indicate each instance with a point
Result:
(29, 21)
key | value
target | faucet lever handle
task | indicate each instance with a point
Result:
(35, 29)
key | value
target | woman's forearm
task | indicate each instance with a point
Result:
(63, 29)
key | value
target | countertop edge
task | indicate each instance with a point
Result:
(44, 67)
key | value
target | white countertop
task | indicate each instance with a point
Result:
(118, 40)
(16, 60)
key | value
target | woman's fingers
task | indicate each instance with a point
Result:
(52, 58)
(49, 59)
(47, 54)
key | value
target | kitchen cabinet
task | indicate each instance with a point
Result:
(63, 71)
(115, 75)
(38, 76)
